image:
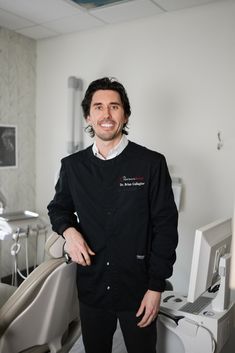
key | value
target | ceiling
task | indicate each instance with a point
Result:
(40, 19)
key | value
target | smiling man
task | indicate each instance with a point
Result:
(107, 117)
(114, 205)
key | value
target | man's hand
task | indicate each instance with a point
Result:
(149, 307)
(77, 247)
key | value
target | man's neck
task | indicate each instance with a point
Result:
(104, 147)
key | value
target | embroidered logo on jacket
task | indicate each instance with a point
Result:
(136, 181)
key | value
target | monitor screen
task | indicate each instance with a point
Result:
(211, 243)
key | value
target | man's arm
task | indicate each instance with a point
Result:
(64, 221)
(164, 217)
(164, 220)
(61, 209)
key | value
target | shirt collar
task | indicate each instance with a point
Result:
(114, 152)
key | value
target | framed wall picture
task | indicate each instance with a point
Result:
(8, 146)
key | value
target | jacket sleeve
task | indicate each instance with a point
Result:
(164, 220)
(61, 209)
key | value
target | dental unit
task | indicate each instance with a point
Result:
(20, 233)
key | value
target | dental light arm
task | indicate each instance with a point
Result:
(74, 126)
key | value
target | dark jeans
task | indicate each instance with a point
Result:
(99, 325)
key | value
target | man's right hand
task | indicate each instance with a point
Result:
(77, 247)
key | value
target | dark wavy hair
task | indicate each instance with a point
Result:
(105, 83)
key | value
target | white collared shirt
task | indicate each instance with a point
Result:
(114, 152)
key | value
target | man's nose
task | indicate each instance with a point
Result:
(107, 112)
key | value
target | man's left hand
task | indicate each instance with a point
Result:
(149, 307)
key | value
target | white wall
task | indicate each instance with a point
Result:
(178, 69)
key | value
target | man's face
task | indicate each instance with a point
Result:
(107, 115)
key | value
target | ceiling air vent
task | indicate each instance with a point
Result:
(91, 4)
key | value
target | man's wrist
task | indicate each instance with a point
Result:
(70, 232)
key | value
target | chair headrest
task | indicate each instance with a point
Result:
(55, 245)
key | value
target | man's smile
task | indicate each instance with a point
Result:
(107, 124)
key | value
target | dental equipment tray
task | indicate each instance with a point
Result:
(17, 216)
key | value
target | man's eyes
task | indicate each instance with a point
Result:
(112, 107)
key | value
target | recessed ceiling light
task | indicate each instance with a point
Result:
(91, 4)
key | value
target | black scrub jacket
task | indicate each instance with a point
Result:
(124, 208)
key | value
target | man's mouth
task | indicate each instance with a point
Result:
(107, 125)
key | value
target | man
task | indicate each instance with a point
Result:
(114, 206)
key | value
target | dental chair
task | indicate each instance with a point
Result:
(42, 314)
